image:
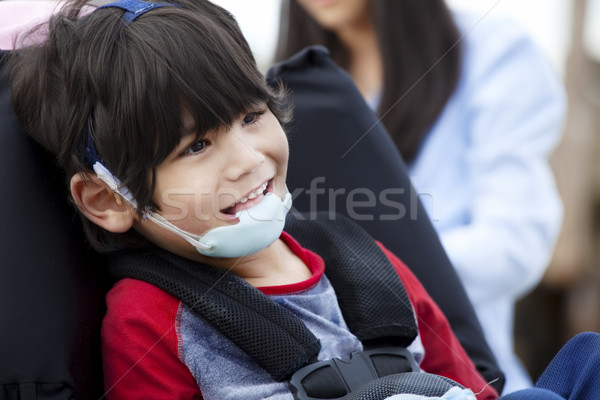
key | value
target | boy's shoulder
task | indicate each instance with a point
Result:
(132, 299)
(140, 343)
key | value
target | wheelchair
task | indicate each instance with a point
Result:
(52, 284)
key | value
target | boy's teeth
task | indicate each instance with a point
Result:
(255, 194)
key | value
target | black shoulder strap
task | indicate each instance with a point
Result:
(276, 339)
(371, 295)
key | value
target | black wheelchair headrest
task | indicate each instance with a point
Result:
(51, 297)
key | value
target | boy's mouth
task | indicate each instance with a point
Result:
(250, 199)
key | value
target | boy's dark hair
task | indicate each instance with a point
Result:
(130, 84)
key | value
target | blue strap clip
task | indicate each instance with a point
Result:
(135, 8)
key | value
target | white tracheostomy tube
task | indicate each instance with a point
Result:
(257, 228)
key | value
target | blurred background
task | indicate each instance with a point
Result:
(568, 299)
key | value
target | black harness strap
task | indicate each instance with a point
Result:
(276, 339)
(370, 293)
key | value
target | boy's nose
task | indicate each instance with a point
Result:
(244, 158)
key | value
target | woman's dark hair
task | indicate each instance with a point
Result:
(418, 42)
(131, 84)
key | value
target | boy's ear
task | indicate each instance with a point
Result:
(100, 204)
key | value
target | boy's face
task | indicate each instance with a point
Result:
(204, 183)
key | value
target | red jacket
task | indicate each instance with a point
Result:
(142, 348)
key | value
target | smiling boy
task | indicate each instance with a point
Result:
(206, 183)
(176, 160)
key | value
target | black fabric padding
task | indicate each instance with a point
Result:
(340, 155)
(37, 391)
(51, 293)
(276, 339)
(369, 291)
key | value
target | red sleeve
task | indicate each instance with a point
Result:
(140, 345)
(444, 355)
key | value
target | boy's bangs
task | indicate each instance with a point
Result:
(154, 79)
(215, 99)
(209, 77)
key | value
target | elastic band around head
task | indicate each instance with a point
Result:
(91, 155)
(93, 160)
(135, 8)
(113, 182)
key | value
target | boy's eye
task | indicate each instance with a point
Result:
(252, 117)
(196, 147)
